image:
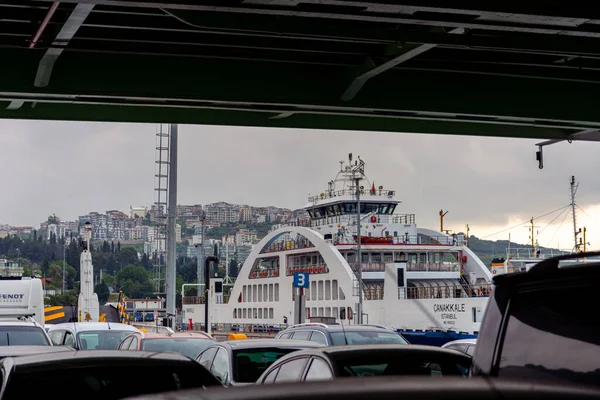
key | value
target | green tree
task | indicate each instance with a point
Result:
(108, 279)
(53, 219)
(102, 291)
(134, 280)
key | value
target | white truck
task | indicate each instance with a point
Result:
(22, 312)
(22, 297)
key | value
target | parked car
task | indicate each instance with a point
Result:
(187, 343)
(338, 335)
(90, 335)
(18, 351)
(22, 331)
(384, 388)
(466, 346)
(370, 360)
(243, 361)
(99, 374)
(541, 324)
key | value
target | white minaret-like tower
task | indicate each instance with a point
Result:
(87, 305)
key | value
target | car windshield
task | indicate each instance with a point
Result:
(190, 347)
(366, 337)
(23, 336)
(101, 340)
(249, 364)
(403, 364)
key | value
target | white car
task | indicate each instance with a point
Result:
(22, 331)
(90, 335)
(464, 345)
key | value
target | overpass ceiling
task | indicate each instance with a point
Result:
(498, 69)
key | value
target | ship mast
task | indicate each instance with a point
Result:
(573, 191)
(358, 170)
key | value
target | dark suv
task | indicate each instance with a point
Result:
(338, 335)
(543, 323)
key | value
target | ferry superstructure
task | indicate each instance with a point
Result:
(412, 278)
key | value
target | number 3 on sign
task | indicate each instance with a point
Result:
(301, 280)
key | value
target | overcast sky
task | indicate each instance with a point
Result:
(492, 184)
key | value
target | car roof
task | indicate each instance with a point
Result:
(461, 341)
(384, 388)
(14, 322)
(17, 351)
(551, 268)
(372, 349)
(190, 335)
(267, 343)
(101, 357)
(339, 328)
(94, 326)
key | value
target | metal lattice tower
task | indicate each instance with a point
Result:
(159, 249)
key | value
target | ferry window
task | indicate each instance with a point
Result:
(327, 290)
(387, 233)
(254, 313)
(328, 311)
(318, 371)
(254, 294)
(265, 292)
(369, 208)
(375, 257)
(349, 208)
(277, 292)
(320, 290)
(320, 312)
(383, 208)
(260, 313)
(336, 209)
(552, 319)
(391, 209)
(244, 293)
(335, 312)
(395, 233)
(313, 290)
(244, 312)
(351, 257)
(260, 293)
(313, 311)
(270, 313)
(334, 290)
(388, 257)
(330, 211)
(270, 292)
(265, 313)
(342, 295)
(365, 256)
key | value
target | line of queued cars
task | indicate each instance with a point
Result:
(537, 341)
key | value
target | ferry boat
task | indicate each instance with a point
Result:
(414, 280)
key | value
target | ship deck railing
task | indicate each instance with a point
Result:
(365, 193)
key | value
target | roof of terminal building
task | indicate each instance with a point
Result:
(526, 69)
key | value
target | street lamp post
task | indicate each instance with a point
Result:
(19, 258)
(63, 271)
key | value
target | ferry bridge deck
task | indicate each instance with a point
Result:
(528, 70)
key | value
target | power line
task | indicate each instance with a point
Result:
(557, 229)
(525, 222)
(581, 209)
(555, 218)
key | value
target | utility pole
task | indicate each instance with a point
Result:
(63, 271)
(442, 215)
(467, 236)
(200, 268)
(532, 237)
(171, 221)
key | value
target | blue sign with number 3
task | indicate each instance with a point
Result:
(301, 280)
